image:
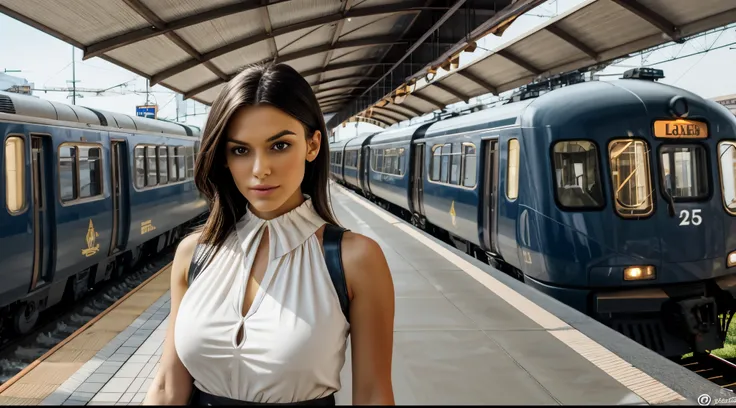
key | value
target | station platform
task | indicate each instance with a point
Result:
(464, 334)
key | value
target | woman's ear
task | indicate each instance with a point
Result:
(313, 145)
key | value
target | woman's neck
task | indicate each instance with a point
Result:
(293, 202)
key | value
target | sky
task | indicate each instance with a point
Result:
(47, 62)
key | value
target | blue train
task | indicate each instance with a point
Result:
(617, 198)
(85, 194)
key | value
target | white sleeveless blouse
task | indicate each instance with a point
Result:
(295, 333)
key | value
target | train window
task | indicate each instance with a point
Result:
(469, 165)
(727, 154)
(15, 174)
(163, 165)
(577, 174)
(67, 173)
(140, 167)
(402, 159)
(455, 159)
(685, 171)
(436, 157)
(512, 182)
(190, 162)
(181, 163)
(90, 171)
(151, 168)
(445, 166)
(172, 164)
(631, 177)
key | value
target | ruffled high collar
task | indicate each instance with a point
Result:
(286, 231)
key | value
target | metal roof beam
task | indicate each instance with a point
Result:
(565, 36)
(351, 64)
(421, 39)
(409, 108)
(387, 114)
(273, 49)
(335, 36)
(153, 19)
(342, 78)
(478, 81)
(335, 88)
(652, 18)
(382, 117)
(451, 91)
(394, 110)
(518, 61)
(407, 7)
(429, 100)
(131, 37)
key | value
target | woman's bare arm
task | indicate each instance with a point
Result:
(371, 318)
(173, 383)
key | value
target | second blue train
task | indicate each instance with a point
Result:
(617, 198)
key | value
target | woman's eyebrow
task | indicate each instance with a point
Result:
(272, 138)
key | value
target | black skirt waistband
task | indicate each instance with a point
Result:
(205, 399)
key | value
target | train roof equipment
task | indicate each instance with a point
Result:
(33, 107)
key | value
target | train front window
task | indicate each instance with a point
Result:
(684, 171)
(631, 178)
(727, 160)
(577, 174)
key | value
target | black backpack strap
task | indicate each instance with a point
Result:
(332, 240)
(195, 267)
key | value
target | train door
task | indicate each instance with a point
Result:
(690, 225)
(43, 243)
(490, 194)
(417, 186)
(365, 176)
(119, 199)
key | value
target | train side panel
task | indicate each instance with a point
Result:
(391, 183)
(16, 215)
(451, 199)
(157, 206)
(83, 204)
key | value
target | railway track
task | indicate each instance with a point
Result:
(56, 325)
(712, 368)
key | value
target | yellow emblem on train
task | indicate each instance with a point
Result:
(680, 128)
(452, 212)
(147, 226)
(91, 241)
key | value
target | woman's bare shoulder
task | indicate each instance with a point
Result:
(183, 256)
(364, 262)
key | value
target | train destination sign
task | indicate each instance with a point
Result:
(680, 128)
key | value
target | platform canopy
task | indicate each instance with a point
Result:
(590, 35)
(342, 47)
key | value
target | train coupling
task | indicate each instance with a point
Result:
(695, 319)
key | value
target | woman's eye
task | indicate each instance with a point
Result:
(280, 145)
(239, 151)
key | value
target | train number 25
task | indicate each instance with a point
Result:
(687, 219)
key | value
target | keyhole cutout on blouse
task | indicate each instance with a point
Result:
(255, 280)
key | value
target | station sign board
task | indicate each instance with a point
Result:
(147, 111)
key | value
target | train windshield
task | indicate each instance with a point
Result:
(684, 172)
(727, 154)
(577, 174)
(631, 178)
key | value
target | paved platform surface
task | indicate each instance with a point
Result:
(461, 337)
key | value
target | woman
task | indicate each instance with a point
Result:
(262, 322)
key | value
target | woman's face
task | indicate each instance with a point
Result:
(266, 152)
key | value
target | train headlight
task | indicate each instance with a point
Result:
(633, 273)
(731, 261)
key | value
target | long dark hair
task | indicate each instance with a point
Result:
(282, 87)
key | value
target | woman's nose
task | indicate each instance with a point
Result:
(261, 165)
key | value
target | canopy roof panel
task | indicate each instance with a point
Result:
(193, 46)
(592, 34)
